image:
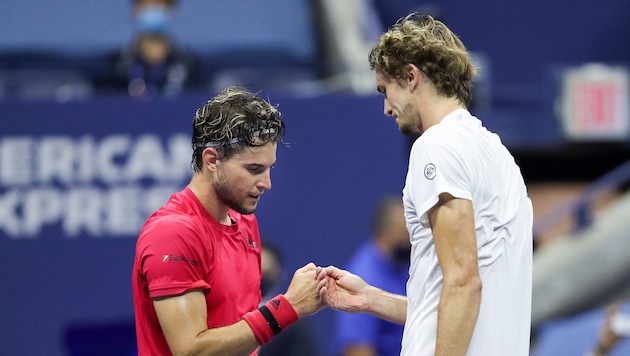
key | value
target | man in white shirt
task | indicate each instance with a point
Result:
(466, 207)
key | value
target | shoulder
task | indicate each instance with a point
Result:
(171, 221)
(434, 146)
(453, 136)
(165, 224)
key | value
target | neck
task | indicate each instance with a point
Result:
(438, 109)
(201, 186)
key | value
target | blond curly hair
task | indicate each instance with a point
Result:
(433, 48)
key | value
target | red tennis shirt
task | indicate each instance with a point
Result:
(182, 247)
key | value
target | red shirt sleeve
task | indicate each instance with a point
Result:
(170, 258)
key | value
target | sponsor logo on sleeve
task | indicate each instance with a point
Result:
(173, 258)
(430, 171)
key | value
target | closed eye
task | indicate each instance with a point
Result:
(256, 168)
(381, 89)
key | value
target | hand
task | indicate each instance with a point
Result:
(302, 292)
(342, 290)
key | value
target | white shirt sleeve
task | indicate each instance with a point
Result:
(437, 166)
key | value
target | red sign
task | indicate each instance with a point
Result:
(595, 103)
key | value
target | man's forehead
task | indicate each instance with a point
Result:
(257, 155)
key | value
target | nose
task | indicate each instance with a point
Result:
(387, 109)
(265, 181)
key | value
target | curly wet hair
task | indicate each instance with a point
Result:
(232, 121)
(433, 48)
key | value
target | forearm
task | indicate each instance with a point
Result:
(233, 340)
(457, 316)
(387, 306)
(183, 320)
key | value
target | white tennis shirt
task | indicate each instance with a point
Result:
(460, 157)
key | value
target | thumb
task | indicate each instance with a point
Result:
(308, 267)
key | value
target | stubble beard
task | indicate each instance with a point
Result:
(406, 130)
(225, 196)
(407, 126)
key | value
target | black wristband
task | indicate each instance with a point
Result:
(271, 320)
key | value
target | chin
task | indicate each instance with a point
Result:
(405, 130)
(410, 131)
(248, 211)
(245, 210)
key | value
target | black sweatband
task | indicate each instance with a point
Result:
(271, 320)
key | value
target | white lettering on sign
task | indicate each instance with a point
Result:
(87, 186)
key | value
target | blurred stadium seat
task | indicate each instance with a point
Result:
(239, 40)
(251, 43)
(59, 85)
(63, 28)
(49, 49)
(249, 32)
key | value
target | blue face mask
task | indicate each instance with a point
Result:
(153, 20)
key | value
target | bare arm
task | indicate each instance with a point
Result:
(183, 319)
(347, 292)
(387, 306)
(452, 223)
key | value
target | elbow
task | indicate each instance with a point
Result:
(470, 286)
(475, 286)
(187, 351)
(184, 353)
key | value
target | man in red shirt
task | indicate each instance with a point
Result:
(196, 274)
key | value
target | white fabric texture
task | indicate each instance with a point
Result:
(460, 157)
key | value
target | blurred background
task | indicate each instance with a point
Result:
(97, 97)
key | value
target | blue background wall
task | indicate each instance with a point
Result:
(343, 156)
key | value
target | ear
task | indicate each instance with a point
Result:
(414, 76)
(210, 157)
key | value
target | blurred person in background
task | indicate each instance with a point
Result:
(299, 339)
(615, 327)
(466, 205)
(197, 267)
(382, 261)
(153, 64)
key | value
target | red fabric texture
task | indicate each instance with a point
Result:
(182, 248)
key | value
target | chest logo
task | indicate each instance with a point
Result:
(429, 171)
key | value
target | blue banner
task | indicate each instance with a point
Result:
(78, 179)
